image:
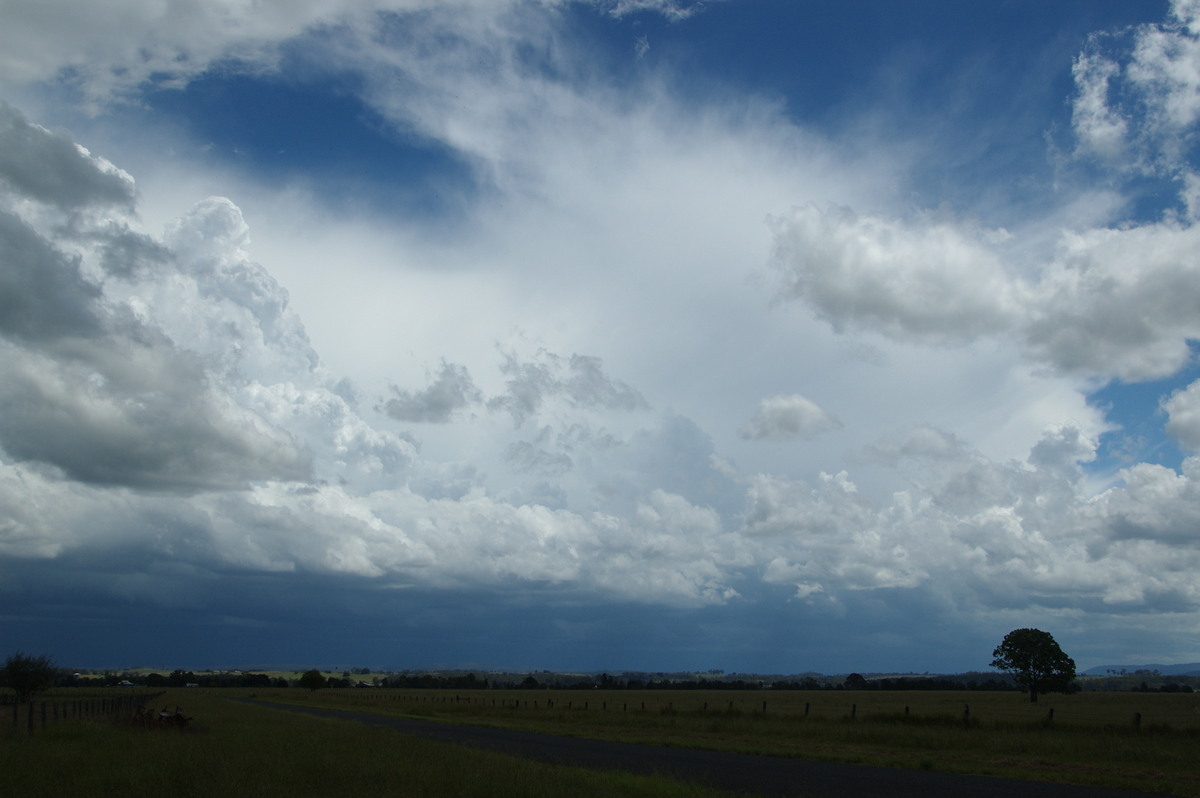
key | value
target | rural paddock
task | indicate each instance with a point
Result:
(758, 775)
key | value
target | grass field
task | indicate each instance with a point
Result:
(235, 749)
(1091, 739)
(231, 749)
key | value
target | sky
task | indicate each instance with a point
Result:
(590, 335)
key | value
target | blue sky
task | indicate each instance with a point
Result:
(598, 334)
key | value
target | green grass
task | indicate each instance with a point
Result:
(1091, 740)
(236, 749)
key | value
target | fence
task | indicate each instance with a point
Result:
(36, 714)
(1087, 711)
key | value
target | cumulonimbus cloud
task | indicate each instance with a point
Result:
(231, 448)
(89, 386)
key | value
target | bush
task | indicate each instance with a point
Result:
(27, 675)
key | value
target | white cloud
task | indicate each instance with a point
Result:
(1110, 302)
(1100, 131)
(786, 417)
(929, 281)
(112, 50)
(53, 169)
(596, 313)
(140, 416)
(1110, 299)
(1137, 101)
(88, 386)
(991, 534)
(1158, 507)
(671, 9)
(1118, 302)
(580, 380)
(1183, 411)
(345, 448)
(452, 390)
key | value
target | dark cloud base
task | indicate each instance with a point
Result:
(231, 620)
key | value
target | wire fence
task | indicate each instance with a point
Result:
(36, 714)
(1179, 712)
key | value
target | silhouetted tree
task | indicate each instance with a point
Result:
(181, 678)
(856, 681)
(1036, 662)
(27, 675)
(312, 680)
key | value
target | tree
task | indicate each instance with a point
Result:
(1036, 661)
(27, 675)
(856, 681)
(313, 680)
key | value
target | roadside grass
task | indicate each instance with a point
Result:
(231, 748)
(1091, 739)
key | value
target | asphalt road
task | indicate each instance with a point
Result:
(745, 773)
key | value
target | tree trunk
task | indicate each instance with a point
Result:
(1033, 692)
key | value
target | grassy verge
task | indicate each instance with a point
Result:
(235, 749)
(1091, 738)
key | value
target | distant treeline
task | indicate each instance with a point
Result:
(972, 681)
(1139, 681)
(1143, 681)
(176, 678)
(604, 681)
(902, 683)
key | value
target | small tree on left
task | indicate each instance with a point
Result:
(27, 675)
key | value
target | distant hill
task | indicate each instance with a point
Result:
(1182, 669)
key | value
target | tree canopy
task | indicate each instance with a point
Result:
(27, 675)
(312, 680)
(1036, 661)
